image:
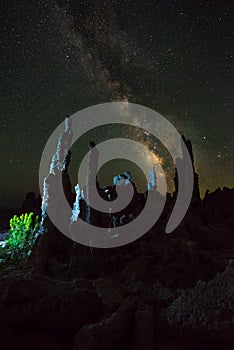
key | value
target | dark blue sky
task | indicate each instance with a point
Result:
(59, 57)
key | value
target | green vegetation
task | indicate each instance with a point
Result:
(21, 238)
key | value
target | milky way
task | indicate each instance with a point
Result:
(61, 56)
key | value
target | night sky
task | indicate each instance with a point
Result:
(58, 57)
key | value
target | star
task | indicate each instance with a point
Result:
(60, 57)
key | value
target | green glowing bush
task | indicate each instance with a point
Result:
(21, 237)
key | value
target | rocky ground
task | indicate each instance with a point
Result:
(161, 292)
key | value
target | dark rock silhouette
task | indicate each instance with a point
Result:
(196, 192)
(31, 203)
(162, 291)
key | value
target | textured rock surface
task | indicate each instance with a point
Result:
(108, 314)
(39, 306)
(208, 307)
(112, 333)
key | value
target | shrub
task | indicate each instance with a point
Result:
(21, 237)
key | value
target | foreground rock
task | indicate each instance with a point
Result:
(104, 314)
(43, 309)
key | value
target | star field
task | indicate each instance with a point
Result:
(58, 57)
